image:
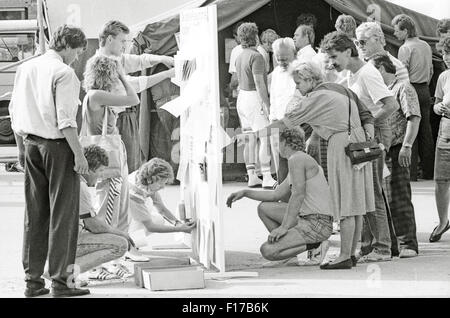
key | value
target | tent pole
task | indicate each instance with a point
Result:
(40, 19)
(275, 15)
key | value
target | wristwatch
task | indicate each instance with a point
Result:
(407, 145)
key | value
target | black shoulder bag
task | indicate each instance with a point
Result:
(360, 152)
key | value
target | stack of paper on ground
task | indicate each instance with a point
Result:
(157, 262)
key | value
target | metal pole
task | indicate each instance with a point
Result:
(40, 19)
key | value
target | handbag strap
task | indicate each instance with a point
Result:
(83, 131)
(105, 122)
(349, 113)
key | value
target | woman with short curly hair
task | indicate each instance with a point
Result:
(100, 76)
(147, 210)
(346, 24)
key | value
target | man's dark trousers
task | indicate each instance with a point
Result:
(52, 196)
(424, 144)
(402, 209)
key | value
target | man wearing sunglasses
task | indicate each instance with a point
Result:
(370, 41)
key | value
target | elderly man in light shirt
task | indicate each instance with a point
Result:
(282, 89)
(370, 41)
(304, 40)
(43, 111)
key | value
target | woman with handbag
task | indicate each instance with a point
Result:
(102, 74)
(327, 107)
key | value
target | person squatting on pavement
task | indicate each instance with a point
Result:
(147, 209)
(98, 242)
(304, 221)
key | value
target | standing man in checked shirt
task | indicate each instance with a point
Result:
(43, 111)
(417, 56)
(404, 125)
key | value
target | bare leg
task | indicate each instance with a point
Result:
(347, 234)
(272, 214)
(442, 195)
(357, 234)
(288, 246)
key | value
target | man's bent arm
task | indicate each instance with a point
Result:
(390, 105)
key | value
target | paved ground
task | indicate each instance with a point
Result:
(425, 276)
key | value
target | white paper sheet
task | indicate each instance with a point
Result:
(176, 106)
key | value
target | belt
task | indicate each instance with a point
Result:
(37, 138)
(131, 109)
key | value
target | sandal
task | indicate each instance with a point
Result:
(436, 237)
(101, 273)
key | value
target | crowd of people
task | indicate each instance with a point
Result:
(300, 108)
(317, 102)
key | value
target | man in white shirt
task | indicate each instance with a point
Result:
(370, 41)
(43, 112)
(282, 89)
(113, 41)
(367, 83)
(304, 40)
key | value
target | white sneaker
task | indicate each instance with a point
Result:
(101, 273)
(374, 257)
(120, 270)
(316, 256)
(407, 253)
(254, 181)
(269, 182)
(134, 257)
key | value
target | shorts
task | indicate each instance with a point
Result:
(249, 110)
(315, 228)
(442, 161)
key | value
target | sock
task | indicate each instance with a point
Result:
(250, 169)
(267, 174)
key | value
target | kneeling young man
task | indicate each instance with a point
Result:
(98, 242)
(306, 220)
